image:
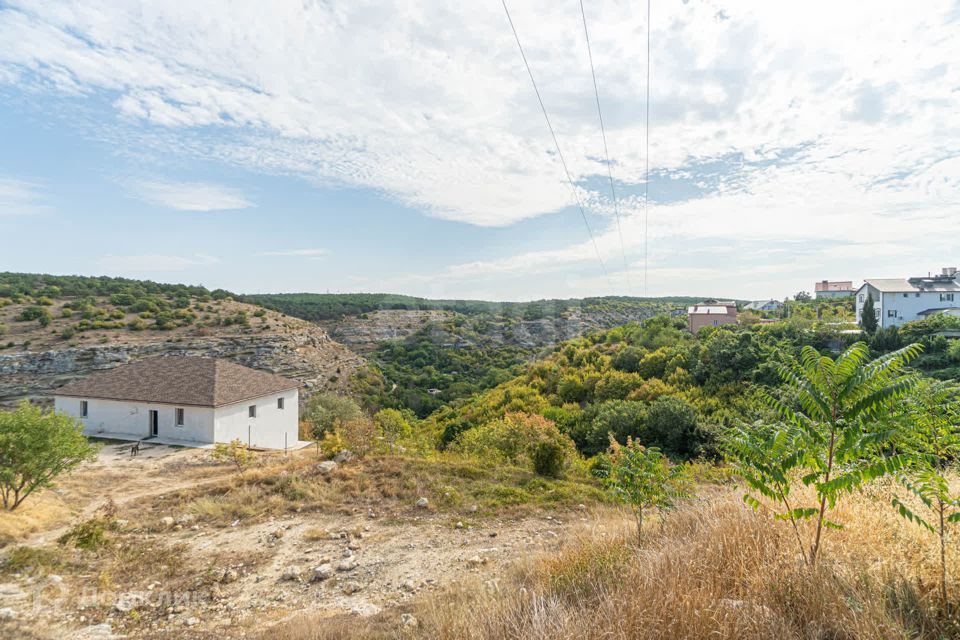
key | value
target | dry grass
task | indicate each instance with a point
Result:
(389, 483)
(714, 570)
(40, 511)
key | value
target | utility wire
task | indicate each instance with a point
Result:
(573, 187)
(606, 153)
(646, 179)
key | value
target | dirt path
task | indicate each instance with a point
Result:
(117, 476)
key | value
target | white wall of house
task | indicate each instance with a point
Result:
(896, 308)
(131, 419)
(272, 428)
(862, 298)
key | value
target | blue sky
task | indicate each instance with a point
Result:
(381, 146)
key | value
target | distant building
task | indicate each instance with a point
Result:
(185, 400)
(833, 289)
(898, 300)
(711, 314)
(763, 305)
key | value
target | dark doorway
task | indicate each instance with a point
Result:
(154, 423)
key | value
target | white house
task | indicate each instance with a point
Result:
(763, 305)
(186, 400)
(898, 300)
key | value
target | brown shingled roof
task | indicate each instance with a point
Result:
(187, 380)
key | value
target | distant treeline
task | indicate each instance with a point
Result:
(333, 306)
(50, 286)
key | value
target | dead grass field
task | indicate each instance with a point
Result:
(182, 524)
(715, 569)
(497, 553)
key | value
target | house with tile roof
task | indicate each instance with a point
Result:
(186, 400)
(900, 300)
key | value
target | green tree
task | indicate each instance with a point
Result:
(838, 410)
(933, 437)
(802, 296)
(235, 453)
(392, 425)
(766, 457)
(644, 479)
(324, 411)
(620, 418)
(36, 446)
(672, 426)
(628, 359)
(868, 315)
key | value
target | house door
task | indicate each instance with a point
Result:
(154, 423)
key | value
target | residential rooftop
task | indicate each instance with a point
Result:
(180, 380)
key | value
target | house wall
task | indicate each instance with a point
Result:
(270, 426)
(897, 308)
(861, 299)
(907, 308)
(697, 321)
(833, 294)
(131, 420)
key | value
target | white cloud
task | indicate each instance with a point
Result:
(189, 196)
(153, 263)
(430, 104)
(311, 254)
(19, 197)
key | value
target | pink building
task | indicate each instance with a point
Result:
(833, 289)
(711, 314)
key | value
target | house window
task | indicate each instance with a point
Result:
(279, 403)
(860, 297)
(178, 414)
(876, 313)
(83, 409)
(916, 295)
(946, 297)
(891, 313)
(252, 411)
(906, 295)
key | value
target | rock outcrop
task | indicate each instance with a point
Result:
(309, 356)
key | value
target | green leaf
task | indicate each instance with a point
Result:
(908, 514)
(800, 513)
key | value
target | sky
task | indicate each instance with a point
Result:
(399, 146)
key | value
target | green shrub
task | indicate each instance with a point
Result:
(517, 438)
(122, 299)
(89, 535)
(32, 313)
(672, 427)
(324, 411)
(549, 458)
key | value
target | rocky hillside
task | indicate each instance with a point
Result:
(367, 332)
(48, 338)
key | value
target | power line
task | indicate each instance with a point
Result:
(606, 153)
(646, 179)
(573, 187)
